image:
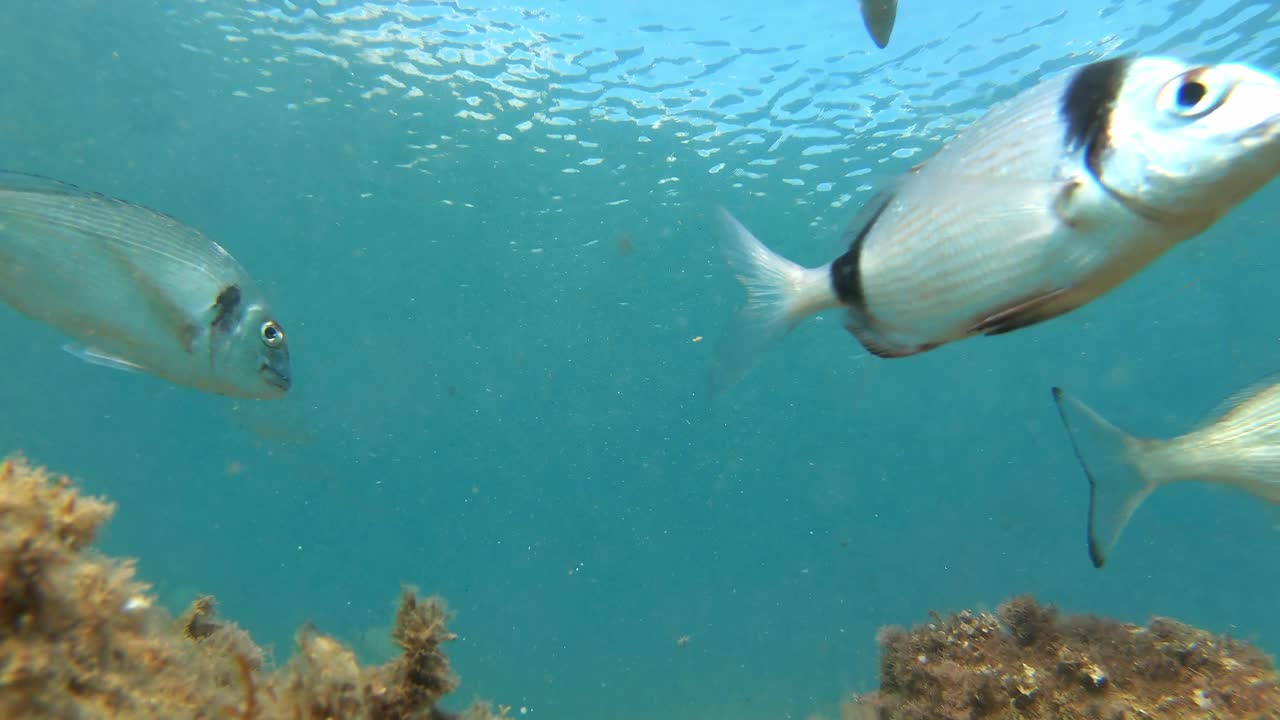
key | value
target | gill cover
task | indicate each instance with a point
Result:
(1181, 143)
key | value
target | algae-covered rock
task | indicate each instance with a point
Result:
(80, 637)
(1027, 661)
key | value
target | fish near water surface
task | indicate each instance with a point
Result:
(879, 16)
(1239, 447)
(139, 289)
(1046, 202)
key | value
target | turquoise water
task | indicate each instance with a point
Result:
(488, 232)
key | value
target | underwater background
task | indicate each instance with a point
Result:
(488, 230)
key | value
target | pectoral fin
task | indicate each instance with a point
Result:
(1022, 314)
(861, 328)
(94, 356)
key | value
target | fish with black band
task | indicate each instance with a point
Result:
(137, 289)
(1045, 203)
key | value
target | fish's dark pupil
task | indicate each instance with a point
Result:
(1190, 94)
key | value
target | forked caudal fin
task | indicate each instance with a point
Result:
(780, 294)
(1109, 457)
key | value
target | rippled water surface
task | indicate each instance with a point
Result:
(487, 228)
(783, 100)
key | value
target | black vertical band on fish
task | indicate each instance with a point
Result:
(1087, 105)
(226, 309)
(846, 275)
(845, 279)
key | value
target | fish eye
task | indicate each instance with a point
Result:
(272, 334)
(1193, 94)
(1190, 93)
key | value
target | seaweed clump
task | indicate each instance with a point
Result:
(81, 637)
(1027, 661)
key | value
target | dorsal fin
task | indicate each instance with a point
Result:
(1233, 401)
(31, 183)
(862, 221)
(27, 182)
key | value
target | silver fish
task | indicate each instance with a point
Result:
(139, 289)
(879, 16)
(1048, 201)
(1239, 447)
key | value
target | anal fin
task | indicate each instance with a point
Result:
(1023, 313)
(875, 344)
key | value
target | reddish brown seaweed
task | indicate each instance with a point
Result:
(81, 637)
(1027, 661)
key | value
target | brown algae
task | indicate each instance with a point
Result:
(1027, 661)
(81, 637)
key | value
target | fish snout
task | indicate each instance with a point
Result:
(1260, 113)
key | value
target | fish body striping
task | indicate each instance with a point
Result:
(138, 288)
(879, 16)
(1239, 446)
(1046, 202)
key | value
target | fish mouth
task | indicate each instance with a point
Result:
(275, 378)
(1262, 141)
(1264, 132)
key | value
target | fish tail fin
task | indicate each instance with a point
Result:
(780, 295)
(1111, 460)
(879, 17)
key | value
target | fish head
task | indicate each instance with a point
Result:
(1186, 143)
(254, 356)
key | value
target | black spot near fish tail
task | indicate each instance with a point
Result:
(846, 279)
(226, 309)
(1087, 104)
(846, 271)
